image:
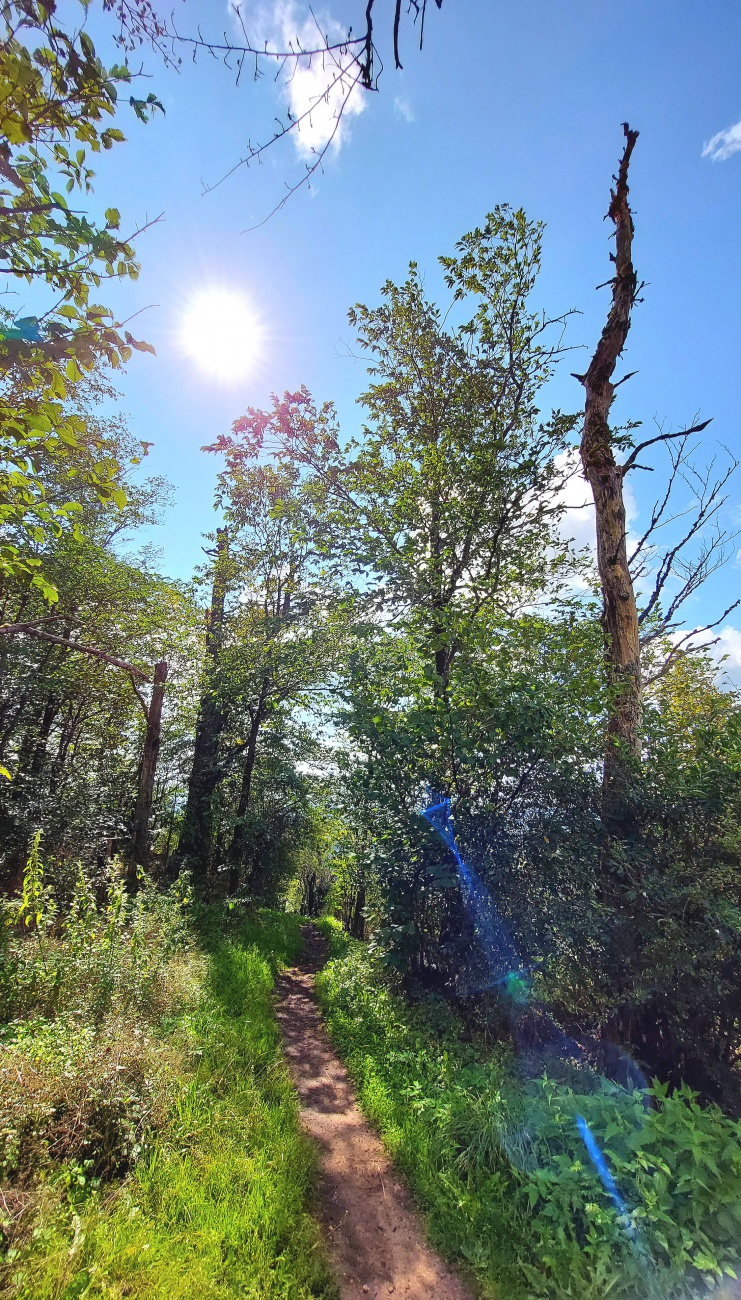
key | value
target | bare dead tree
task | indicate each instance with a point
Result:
(348, 64)
(677, 573)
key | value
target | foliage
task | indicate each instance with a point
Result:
(514, 738)
(674, 948)
(149, 1131)
(501, 1169)
(57, 104)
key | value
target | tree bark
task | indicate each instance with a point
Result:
(357, 924)
(148, 771)
(196, 836)
(605, 476)
(238, 847)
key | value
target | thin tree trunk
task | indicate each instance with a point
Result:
(238, 848)
(51, 710)
(357, 924)
(605, 476)
(196, 836)
(148, 771)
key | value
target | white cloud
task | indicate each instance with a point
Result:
(321, 91)
(729, 644)
(724, 144)
(577, 521)
(404, 108)
(723, 646)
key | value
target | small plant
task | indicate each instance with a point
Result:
(502, 1170)
(37, 909)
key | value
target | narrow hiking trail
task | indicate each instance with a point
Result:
(374, 1238)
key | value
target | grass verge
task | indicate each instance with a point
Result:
(501, 1169)
(216, 1205)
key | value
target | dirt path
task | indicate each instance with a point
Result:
(374, 1237)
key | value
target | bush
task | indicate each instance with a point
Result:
(185, 1093)
(503, 1172)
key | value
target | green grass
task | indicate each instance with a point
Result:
(502, 1172)
(219, 1207)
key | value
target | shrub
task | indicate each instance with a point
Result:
(184, 1092)
(501, 1168)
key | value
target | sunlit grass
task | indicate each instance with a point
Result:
(219, 1207)
(500, 1169)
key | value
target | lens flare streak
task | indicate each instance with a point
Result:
(510, 973)
(606, 1178)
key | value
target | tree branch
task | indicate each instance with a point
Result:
(26, 629)
(662, 437)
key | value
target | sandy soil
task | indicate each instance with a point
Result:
(374, 1239)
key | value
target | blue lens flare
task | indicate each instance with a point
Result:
(539, 1040)
(602, 1167)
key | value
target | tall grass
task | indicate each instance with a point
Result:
(502, 1172)
(153, 1146)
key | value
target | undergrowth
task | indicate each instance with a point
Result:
(150, 1139)
(502, 1172)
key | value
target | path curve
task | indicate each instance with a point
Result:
(374, 1238)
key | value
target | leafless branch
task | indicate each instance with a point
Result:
(713, 552)
(682, 648)
(662, 437)
(30, 629)
(140, 698)
(356, 59)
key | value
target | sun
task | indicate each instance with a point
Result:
(221, 333)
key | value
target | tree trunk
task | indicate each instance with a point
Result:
(142, 814)
(605, 476)
(238, 848)
(196, 835)
(357, 924)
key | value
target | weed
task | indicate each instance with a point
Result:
(149, 1132)
(502, 1172)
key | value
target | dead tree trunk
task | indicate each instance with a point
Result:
(605, 476)
(148, 770)
(196, 836)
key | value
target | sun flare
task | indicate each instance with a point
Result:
(221, 333)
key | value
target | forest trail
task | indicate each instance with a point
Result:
(375, 1241)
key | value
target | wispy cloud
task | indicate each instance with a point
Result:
(724, 144)
(723, 646)
(403, 108)
(321, 90)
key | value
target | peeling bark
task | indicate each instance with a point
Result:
(605, 476)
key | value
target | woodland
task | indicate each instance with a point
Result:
(390, 621)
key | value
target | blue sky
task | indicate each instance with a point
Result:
(516, 101)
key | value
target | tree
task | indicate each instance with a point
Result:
(447, 505)
(70, 705)
(196, 835)
(57, 102)
(599, 443)
(148, 765)
(272, 638)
